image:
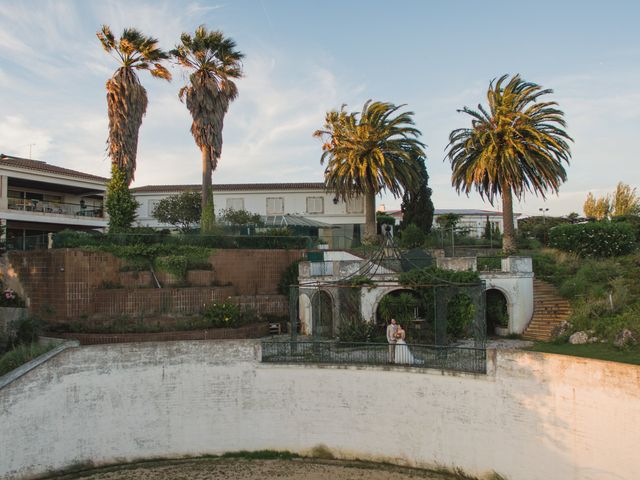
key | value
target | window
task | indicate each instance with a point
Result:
(152, 206)
(235, 204)
(315, 205)
(355, 205)
(275, 206)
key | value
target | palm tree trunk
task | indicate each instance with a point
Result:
(509, 236)
(370, 231)
(207, 216)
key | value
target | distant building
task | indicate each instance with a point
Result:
(471, 221)
(37, 198)
(337, 222)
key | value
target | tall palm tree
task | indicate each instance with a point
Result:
(519, 144)
(369, 152)
(126, 97)
(215, 64)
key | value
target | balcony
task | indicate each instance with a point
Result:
(56, 208)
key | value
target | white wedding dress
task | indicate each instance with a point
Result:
(404, 355)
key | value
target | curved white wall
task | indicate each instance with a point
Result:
(534, 416)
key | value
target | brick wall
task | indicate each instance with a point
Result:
(65, 285)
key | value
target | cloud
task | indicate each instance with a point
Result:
(16, 136)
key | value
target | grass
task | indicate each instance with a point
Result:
(599, 351)
(21, 355)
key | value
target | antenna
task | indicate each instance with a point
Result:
(31, 145)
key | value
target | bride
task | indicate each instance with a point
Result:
(403, 354)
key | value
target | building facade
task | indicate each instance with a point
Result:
(37, 198)
(339, 223)
(471, 222)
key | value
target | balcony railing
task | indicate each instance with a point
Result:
(55, 208)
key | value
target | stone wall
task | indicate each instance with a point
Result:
(65, 285)
(533, 416)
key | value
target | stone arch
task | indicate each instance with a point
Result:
(493, 303)
(322, 313)
(378, 294)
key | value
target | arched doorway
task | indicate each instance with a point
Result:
(408, 308)
(322, 315)
(497, 313)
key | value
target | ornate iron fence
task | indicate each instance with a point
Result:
(461, 359)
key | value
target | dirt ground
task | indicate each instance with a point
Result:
(239, 469)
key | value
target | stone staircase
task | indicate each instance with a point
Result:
(549, 311)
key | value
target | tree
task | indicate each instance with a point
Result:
(448, 221)
(625, 201)
(215, 63)
(417, 207)
(597, 208)
(126, 97)
(369, 152)
(120, 204)
(240, 217)
(181, 210)
(518, 145)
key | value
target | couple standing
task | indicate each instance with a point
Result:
(398, 349)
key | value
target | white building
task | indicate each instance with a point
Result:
(339, 223)
(37, 198)
(471, 221)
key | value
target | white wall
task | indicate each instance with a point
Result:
(534, 416)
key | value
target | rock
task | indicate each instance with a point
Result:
(594, 339)
(561, 329)
(625, 338)
(579, 338)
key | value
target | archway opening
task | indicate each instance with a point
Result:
(497, 313)
(410, 310)
(322, 315)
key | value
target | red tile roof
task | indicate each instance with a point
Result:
(36, 165)
(229, 187)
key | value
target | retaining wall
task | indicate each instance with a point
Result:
(533, 416)
(65, 285)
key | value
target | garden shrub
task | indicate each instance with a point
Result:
(412, 237)
(598, 239)
(176, 265)
(226, 315)
(354, 328)
(289, 277)
(460, 314)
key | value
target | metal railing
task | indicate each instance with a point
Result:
(55, 208)
(460, 359)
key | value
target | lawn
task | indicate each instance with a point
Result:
(600, 351)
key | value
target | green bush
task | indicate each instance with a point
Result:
(460, 314)
(289, 277)
(598, 239)
(174, 264)
(226, 315)
(21, 355)
(412, 237)
(355, 329)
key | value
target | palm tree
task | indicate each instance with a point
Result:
(517, 145)
(126, 97)
(215, 63)
(373, 151)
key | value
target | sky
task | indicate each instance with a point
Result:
(303, 58)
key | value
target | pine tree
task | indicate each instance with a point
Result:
(417, 207)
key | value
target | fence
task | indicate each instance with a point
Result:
(454, 358)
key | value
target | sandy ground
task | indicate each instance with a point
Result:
(238, 469)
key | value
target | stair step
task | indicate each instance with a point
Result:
(549, 311)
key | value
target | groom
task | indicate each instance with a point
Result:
(392, 329)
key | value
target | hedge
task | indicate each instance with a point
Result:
(75, 239)
(598, 239)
